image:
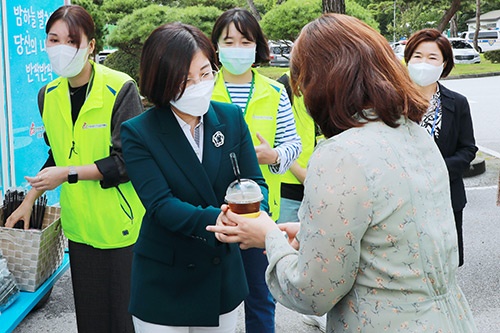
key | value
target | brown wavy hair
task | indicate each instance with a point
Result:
(431, 35)
(344, 66)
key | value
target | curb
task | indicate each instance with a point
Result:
(471, 76)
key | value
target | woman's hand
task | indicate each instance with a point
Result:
(265, 153)
(22, 213)
(48, 178)
(249, 232)
(291, 229)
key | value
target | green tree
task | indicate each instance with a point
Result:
(415, 17)
(221, 4)
(93, 7)
(334, 6)
(117, 9)
(132, 30)
(410, 15)
(286, 20)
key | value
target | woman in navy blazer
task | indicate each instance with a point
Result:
(429, 56)
(177, 157)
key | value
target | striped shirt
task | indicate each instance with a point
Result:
(286, 141)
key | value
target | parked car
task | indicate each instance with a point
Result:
(464, 52)
(487, 40)
(399, 49)
(101, 56)
(280, 52)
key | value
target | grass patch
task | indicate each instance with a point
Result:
(273, 72)
(485, 66)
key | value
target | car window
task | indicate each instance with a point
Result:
(280, 49)
(399, 48)
(488, 35)
(458, 44)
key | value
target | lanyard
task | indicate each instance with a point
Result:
(436, 114)
(249, 94)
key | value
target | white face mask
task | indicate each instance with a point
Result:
(67, 61)
(425, 74)
(237, 60)
(196, 99)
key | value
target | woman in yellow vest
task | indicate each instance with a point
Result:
(240, 43)
(101, 215)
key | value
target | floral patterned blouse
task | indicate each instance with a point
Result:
(378, 245)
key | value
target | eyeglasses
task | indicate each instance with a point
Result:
(210, 75)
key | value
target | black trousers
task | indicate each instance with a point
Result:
(101, 288)
(458, 222)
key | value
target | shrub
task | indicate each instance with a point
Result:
(493, 56)
(124, 62)
(133, 30)
(286, 20)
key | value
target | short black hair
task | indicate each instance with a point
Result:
(248, 26)
(166, 58)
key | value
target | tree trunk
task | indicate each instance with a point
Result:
(253, 9)
(478, 24)
(455, 6)
(453, 26)
(334, 6)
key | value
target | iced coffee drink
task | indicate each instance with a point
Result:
(244, 197)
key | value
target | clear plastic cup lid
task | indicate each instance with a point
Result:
(247, 191)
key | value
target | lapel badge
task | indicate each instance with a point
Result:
(218, 139)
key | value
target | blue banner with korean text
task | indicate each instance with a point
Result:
(27, 70)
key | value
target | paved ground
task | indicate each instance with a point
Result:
(479, 278)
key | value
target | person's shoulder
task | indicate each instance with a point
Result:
(52, 84)
(225, 108)
(273, 83)
(109, 72)
(146, 117)
(227, 113)
(451, 94)
(42, 90)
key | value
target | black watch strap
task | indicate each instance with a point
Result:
(72, 175)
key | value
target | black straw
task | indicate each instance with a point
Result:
(236, 169)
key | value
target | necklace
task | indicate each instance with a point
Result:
(76, 90)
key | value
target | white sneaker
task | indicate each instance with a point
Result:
(319, 322)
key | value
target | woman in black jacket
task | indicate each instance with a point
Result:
(429, 57)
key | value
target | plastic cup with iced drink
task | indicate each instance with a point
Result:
(244, 197)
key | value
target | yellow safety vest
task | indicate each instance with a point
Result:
(102, 218)
(260, 116)
(307, 131)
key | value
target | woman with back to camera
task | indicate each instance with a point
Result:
(240, 43)
(82, 111)
(376, 247)
(178, 158)
(429, 57)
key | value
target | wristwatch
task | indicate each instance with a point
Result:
(278, 160)
(72, 175)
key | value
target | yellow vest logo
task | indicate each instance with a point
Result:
(91, 126)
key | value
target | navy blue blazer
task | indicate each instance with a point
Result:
(456, 142)
(181, 274)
